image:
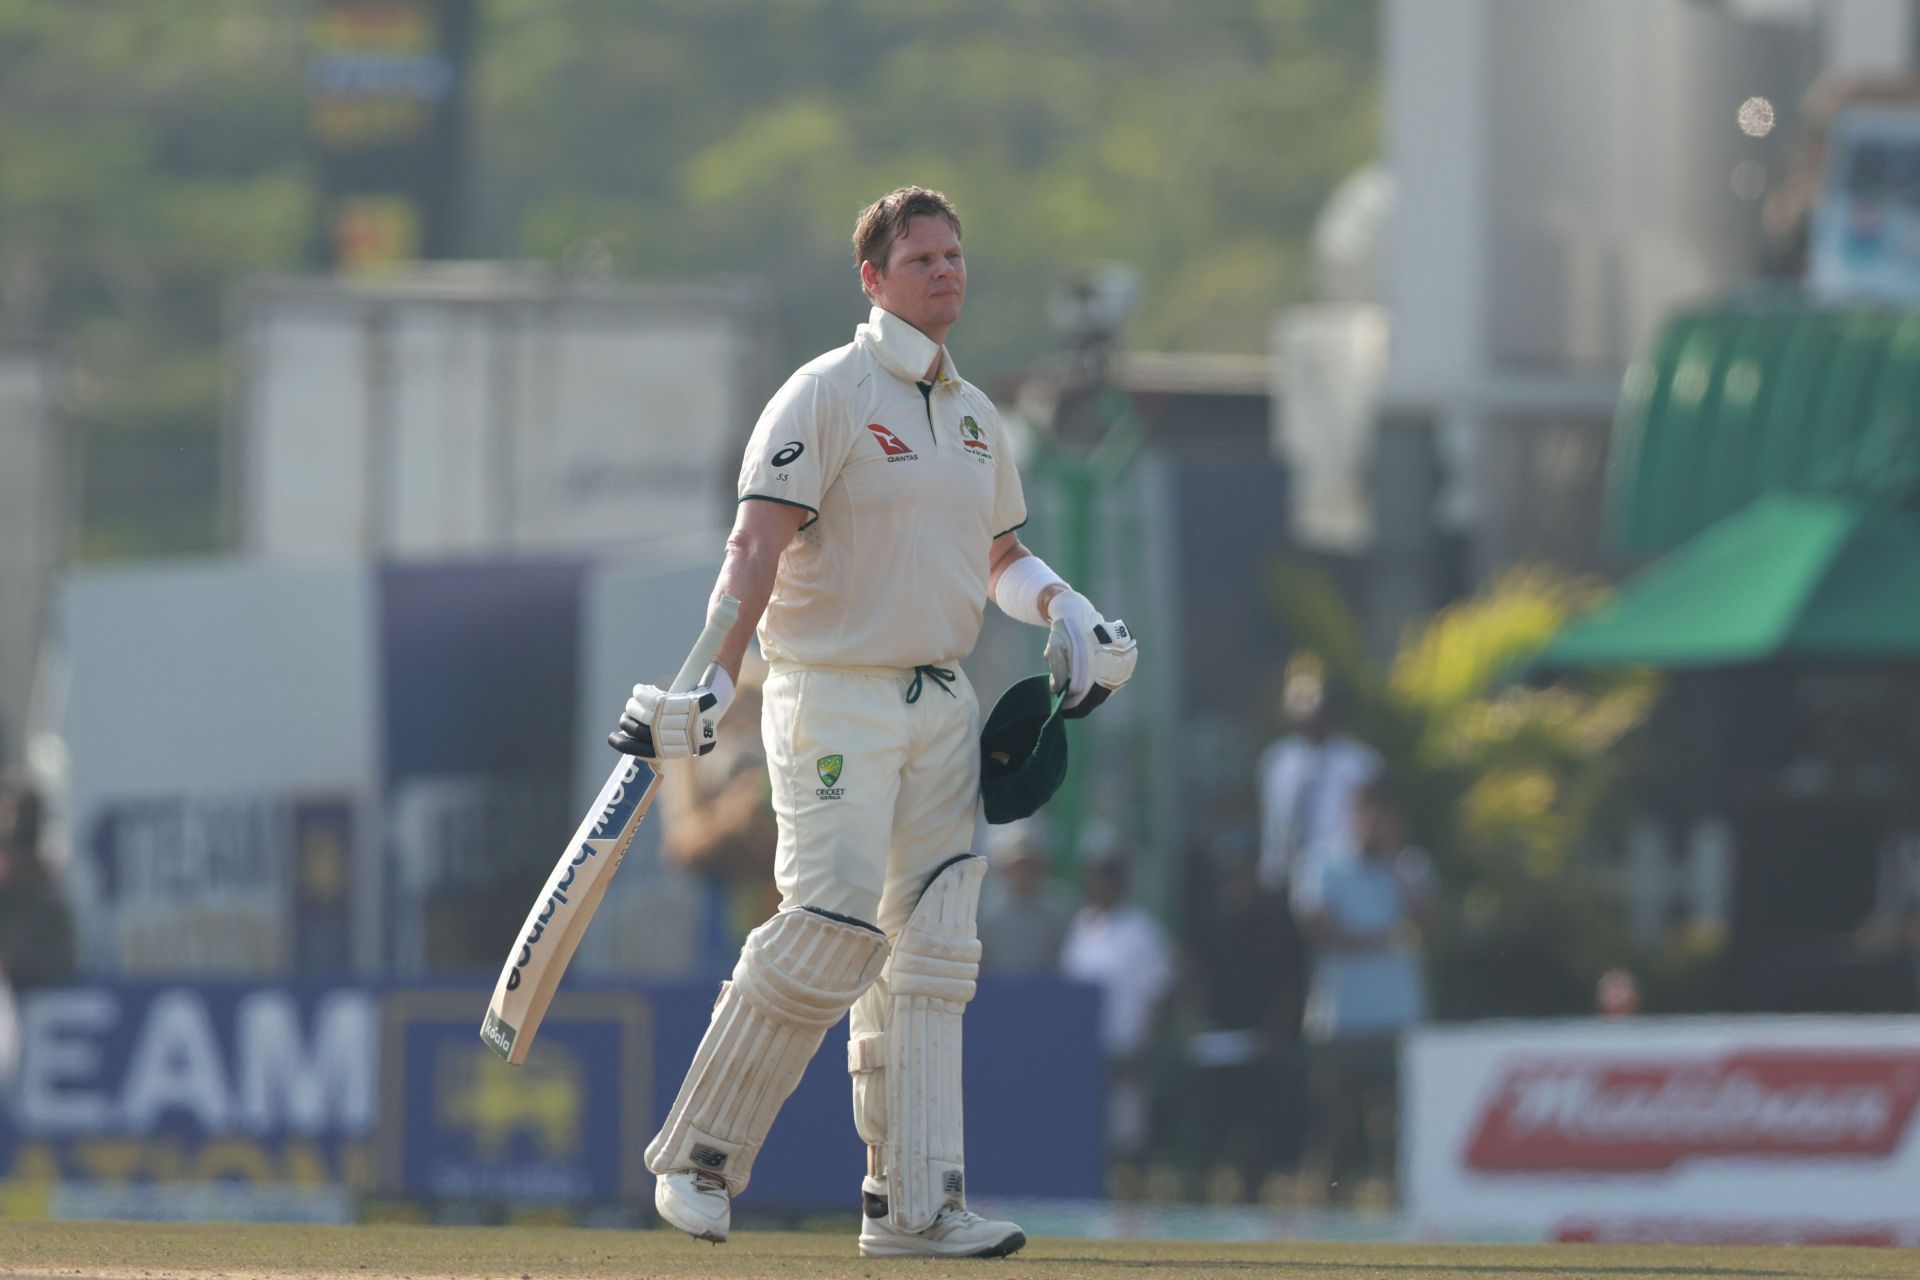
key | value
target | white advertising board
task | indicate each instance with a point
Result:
(1795, 1130)
(423, 417)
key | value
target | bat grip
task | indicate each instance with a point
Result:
(720, 620)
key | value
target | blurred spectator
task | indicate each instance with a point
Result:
(36, 925)
(1616, 994)
(1361, 909)
(1247, 967)
(1116, 945)
(717, 812)
(1024, 919)
(1307, 782)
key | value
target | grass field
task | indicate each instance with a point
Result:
(141, 1251)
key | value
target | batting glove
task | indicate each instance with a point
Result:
(1087, 656)
(659, 725)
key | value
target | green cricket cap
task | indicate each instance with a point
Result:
(1023, 751)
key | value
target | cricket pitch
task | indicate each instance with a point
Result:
(146, 1251)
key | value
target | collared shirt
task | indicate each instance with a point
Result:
(1371, 990)
(1307, 792)
(907, 490)
(1126, 954)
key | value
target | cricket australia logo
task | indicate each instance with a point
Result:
(829, 770)
(974, 438)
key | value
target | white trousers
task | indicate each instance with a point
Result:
(872, 792)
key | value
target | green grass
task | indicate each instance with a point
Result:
(142, 1251)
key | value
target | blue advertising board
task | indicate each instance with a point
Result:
(390, 1091)
(144, 1084)
(568, 1127)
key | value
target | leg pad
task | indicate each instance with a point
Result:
(904, 1052)
(797, 974)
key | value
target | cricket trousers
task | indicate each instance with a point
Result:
(876, 782)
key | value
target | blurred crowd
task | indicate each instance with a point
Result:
(1251, 1055)
(1250, 1047)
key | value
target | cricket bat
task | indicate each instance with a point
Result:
(561, 913)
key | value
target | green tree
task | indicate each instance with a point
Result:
(1506, 779)
(1194, 142)
(153, 155)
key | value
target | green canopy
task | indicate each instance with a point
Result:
(1761, 393)
(1784, 577)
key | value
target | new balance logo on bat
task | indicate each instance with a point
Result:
(612, 820)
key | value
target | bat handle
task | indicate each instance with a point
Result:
(720, 620)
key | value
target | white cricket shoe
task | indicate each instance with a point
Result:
(696, 1202)
(955, 1233)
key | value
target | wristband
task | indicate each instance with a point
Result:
(1018, 591)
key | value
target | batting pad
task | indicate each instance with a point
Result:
(797, 974)
(904, 1052)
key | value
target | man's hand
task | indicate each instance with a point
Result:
(1087, 655)
(658, 725)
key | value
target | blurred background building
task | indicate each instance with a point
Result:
(1540, 375)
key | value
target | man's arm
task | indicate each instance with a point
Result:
(1008, 548)
(761, 532)
(660, 724)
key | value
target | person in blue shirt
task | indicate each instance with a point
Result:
(1362, 911)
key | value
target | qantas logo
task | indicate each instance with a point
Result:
(1628, 1117)
(896, 449)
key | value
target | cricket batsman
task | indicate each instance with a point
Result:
(879, 509)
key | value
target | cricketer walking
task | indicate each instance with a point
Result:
(879, 509)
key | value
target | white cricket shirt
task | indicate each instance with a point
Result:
(907, 492)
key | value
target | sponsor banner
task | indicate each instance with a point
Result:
(121, 1088)
(288, 1103)
(244, 885)
(1667, 1129)
(569, 1127)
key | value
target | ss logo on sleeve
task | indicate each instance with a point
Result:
(791, 450)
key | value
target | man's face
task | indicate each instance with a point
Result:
(925, 282)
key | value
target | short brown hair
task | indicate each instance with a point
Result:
(886, 219)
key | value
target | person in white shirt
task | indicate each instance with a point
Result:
(1307, 782)
(878, 513)
(1119, 947)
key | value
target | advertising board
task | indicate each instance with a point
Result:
(298, 1103)
(1726, 1129)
